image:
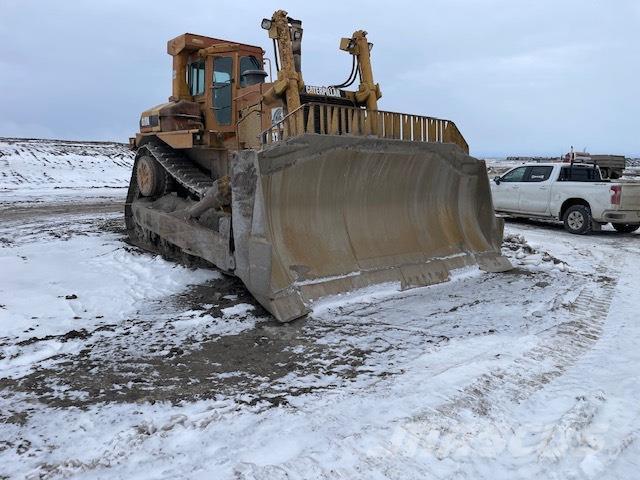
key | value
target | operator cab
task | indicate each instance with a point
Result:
(211, 72)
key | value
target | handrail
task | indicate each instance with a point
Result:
(327, 119)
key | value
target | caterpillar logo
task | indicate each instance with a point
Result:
(324, 91)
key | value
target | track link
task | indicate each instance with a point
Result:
(180, 168)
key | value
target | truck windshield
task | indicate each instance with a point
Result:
(579, 174)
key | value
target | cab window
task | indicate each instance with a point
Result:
(222, 71)
(579, 174)
(196, 78)
(251, 71)
(515, 175)
(538, 174)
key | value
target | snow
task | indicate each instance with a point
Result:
(37, 170)
(79, 282)
(234, 320)
(500, 391)
(171, 372)
(62, 284)
(237, 310)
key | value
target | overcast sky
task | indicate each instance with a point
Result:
(517, 76)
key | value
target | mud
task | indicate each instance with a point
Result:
(253, 361)
(25, 211)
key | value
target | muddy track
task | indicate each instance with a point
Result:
(27, 212)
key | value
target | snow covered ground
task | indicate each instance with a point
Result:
(113, 368)
(115, 363)
(34, 170)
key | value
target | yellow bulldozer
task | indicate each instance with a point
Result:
(303, 191)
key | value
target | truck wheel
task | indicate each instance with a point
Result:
(625, 227)
(577, 219)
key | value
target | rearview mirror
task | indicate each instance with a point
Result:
(497, 180)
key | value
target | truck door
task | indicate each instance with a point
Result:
(506, 192)
(535, 191)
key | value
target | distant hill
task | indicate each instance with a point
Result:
(36, 169)
(44, 168)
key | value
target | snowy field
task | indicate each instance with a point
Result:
(115, 363)
(34, 170)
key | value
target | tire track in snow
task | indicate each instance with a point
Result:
(492, 395)
(599, 424)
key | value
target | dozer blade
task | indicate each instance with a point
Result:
(320, 215)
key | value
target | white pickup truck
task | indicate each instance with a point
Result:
(573, 193)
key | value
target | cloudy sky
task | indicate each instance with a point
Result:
(517, 76)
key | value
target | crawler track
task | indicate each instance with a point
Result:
(182, 171)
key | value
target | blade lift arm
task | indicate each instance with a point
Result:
(368, 91)
(287, 36)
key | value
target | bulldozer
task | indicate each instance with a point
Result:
(303, 191)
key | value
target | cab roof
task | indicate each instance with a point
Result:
(192, 42)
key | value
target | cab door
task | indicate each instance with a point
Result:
(506, 191)
(223, 92)
(535, 191)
